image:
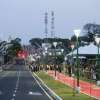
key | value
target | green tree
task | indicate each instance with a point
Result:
(15, 47)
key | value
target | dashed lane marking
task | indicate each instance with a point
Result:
(34, 93)
(12, 99)
(0, 92)
(15, 91)
(14, 95)
(16, 88)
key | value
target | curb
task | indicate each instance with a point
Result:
(52, 93)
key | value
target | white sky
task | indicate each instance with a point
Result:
(25, 18)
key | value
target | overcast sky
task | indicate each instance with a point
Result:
(25, 18)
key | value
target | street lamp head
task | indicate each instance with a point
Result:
(62, 50)
(46, 48)
(77, 32)
(55, 44)
(65, 58)
(59, 53)
(97, 39)
(72, 46)
(50, 53)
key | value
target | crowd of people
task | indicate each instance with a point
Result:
(86, 68)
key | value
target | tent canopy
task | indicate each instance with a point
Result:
(89, 49)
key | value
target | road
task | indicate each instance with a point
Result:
(17, 83)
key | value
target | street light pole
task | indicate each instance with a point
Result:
(65, 59)
(77, 65)
(77, 32)
(72, 47)
(98, 49)
(97, 39)
(46, 52)
(55, 44)
(73, 71)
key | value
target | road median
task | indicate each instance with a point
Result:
(64, 91)
(50, 92)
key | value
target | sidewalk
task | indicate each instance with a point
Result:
(86, 88)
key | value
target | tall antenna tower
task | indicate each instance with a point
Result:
(46, 25)
(52, 25)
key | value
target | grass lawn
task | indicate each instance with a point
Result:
(64, 91)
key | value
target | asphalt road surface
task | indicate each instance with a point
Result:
(17, 83)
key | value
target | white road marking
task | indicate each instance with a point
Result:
(12, 99)
(59, 98)
(14, 95)
(42, 88)
(0, 92)
(15, 91)
(34, 93)
(30, 93)
(17, 84)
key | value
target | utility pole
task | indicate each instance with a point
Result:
(52, 25)
(46, 25)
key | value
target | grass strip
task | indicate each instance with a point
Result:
(64, 91)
